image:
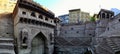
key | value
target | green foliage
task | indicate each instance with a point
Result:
(92, 19)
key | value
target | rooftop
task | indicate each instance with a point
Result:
(36, 7)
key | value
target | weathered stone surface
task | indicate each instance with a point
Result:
(6, 25)
(29, 24)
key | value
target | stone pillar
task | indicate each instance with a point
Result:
(109, 15)
(101, 15)
(105, 15)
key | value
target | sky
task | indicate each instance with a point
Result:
(61, 7)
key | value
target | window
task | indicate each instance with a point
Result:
(40, 16)
(72, 28)
(56, 22)
(21, 20)
(77, 32)
(51, 21)
(90, 34)
(46, 18)
(108, 28)
(37, 23)
(33, 14)
(24, 12)
(33, 21)
(25, 20)
(29, 21)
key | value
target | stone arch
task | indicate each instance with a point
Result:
(39, 44)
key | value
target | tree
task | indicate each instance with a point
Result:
(92, 19)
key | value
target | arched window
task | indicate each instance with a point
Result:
(46, 18)
(33, 21)
(33, 14)
(37, 22)
(77, 31)
(24, 13)
(72, 28)
(51, 21)
(25, 20)
(21, 20)
(40, 16)
(29, 21)
(103, 15)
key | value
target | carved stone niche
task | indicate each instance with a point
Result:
(24, 38)
(51, 35)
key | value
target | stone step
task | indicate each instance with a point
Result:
(6, 40)
(6, 51)
(113, 45)
(6, 46)
(105, 49)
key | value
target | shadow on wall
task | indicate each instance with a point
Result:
(118, 52)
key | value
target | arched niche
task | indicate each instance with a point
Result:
(38, 44)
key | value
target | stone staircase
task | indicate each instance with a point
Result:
(6, 46)
(113, 45)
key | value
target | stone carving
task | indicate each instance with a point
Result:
(24, 36)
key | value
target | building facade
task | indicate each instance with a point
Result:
(104, 43)
(64, 18)
(28, 30)
(36, 26)
(77, 16)
(74, 16)
(84, 17)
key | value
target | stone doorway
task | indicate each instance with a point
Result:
(38, 44)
